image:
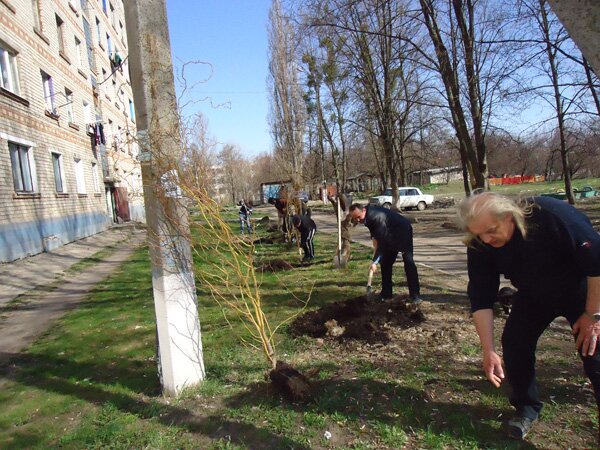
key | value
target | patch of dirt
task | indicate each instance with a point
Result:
(358, 318)
(291, 383)
(277, 265)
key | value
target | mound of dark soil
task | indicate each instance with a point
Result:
(277, 265)
(358, 318)
(291, 383)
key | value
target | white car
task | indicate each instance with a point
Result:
(408, 197)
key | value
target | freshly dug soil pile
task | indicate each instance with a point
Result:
(291, 383)
(358, 318)
(277, 265)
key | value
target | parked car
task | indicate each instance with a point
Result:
(408, 197)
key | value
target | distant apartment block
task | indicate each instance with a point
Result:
(68, 157)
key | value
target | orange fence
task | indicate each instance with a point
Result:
(516, 180)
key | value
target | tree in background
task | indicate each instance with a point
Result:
(288, 111)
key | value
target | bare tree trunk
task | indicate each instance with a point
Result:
(564, 151)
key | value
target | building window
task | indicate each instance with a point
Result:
(9, 78)
(104, 8)
(49, 97)
(112, 15)
(122, 32)
(59, 174)
(131, 111)
(37, 15)
(99, 32)
(69, 105)
(87, 112)
(78, 58)
(95, 177)
(83, 4)
(79, 177)
(21, 162)
(60, 32)
(109, 46)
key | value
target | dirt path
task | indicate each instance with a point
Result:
(26, 312)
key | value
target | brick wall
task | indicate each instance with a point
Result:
(24, 118)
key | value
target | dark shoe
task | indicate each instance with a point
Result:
(383, 299)
(518, 427)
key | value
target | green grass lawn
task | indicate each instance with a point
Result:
(91, 381)
(455, 188)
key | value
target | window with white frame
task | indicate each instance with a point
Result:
(99, 32)
(69, 105)
(37, 15)
(21, 160)
(109, 48)
(122, 32)
(131, 111)
(79, 176)
(9, 78)
(60, 32)
(59, 173)
(78, 54)
(112, 15)
(49, 97)
(87, 112)
(95, 179)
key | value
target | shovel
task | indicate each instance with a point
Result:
(369, 283)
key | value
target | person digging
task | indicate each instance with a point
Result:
(307, 228)
(391, 233)
(551, 254)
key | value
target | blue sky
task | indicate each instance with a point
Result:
(232, 36)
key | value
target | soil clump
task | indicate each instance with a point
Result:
(359, 319)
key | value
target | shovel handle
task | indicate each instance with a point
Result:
(370, 279)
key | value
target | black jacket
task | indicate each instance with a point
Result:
(552, 263)
(306, 226)
(391, 230)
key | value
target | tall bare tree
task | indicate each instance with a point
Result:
(288, 111)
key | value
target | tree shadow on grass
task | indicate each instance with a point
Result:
(66, 377)
(374, 402)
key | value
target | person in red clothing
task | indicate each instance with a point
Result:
(551, 253)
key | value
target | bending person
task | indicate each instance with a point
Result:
(392, 233)
(551, 254)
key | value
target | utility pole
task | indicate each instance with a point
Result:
(178, 327)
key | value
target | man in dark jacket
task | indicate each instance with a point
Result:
(551, 254)
(392, 233)
(307, 228)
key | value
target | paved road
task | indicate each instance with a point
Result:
(436, 247)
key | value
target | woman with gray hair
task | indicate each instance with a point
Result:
(551, 254)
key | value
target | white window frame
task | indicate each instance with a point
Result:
(95, 178)
(61, 171)
(79, 176)
(9, 73)
(28, 148)
(49, 94)
(37, 15)
(87, 112)
(109, 46)
(69, 105)
(78, 53)
(60, 32)
(131, 110)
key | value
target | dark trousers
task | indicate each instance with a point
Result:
(410, 269)
(527, 321)
(306, 241)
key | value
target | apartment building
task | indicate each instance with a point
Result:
(68, 166)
